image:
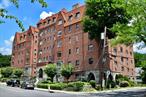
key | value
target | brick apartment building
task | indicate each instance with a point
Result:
(60, 39)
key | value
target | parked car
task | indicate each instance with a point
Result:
(27, 85)
(13, 82)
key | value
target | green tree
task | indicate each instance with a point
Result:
(143, 76)
(140, 59)
(125, 20)
(5, 60)
(6, 72)
(5, 15)
(67, 71)
(50, 70)
(17, 72)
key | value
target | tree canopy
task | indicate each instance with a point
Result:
(67, 71)
(51, 71)
(5, 60)
(140, 60)
(125, 20)
(5, 15)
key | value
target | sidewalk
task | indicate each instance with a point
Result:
(2, 83)
(84, 93)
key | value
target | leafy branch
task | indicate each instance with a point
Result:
(4, 12)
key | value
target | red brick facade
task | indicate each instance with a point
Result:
(60, 37)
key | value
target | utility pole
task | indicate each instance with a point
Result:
(103, 36)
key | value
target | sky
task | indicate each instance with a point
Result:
(30, 14)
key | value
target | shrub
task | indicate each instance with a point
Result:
(3, 79)
(44, 86)
(132, 83)
(93, 83)
(6, 72)
(58, 86)
(18, 72)
(75, 86)
(98, 87)
(124, 84)
(44, 82)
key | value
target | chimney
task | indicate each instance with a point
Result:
(64, 10)
(76, 6)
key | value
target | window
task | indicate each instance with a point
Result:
(115, 62)
(60, 22)
(69, 62)
(77, 26)
(40, 60)
(77, 15)
(131, 61)
(131, 53)
(49, 21)
(90, 60)
(59, 43)
(127, 52)
(69, 28)
(77, 50)
(49, 30)
(128, 69)
(53, 29)
(121, 49)
(41, 42)
(54, 19)
(127, 61)
(77, 62)
(90, 47)
(69, 51)
(70, 18)
(59, 54)
(40, 51)
(122, 68)
(122, 59)
(41, 33)
(59, 33)
(34, 60)
(115, 51)
(69, 39)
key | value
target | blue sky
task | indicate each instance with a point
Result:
(29, 14)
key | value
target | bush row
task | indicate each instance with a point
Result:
(73, 86)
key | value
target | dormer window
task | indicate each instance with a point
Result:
(60, 22)
(70, 18)
(77, 15)
(49, 21)
(54, 19)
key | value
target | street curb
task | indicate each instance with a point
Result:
(2, 83)
(85, 93)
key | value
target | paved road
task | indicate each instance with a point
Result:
(17, 92)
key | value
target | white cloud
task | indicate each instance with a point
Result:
(4, 3)
(9, 42)
(44, 14)
(139, 47)
(5, 51)
(7, 48)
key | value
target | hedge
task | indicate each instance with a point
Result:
(44, 86)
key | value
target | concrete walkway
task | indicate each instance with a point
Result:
(104, 91)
